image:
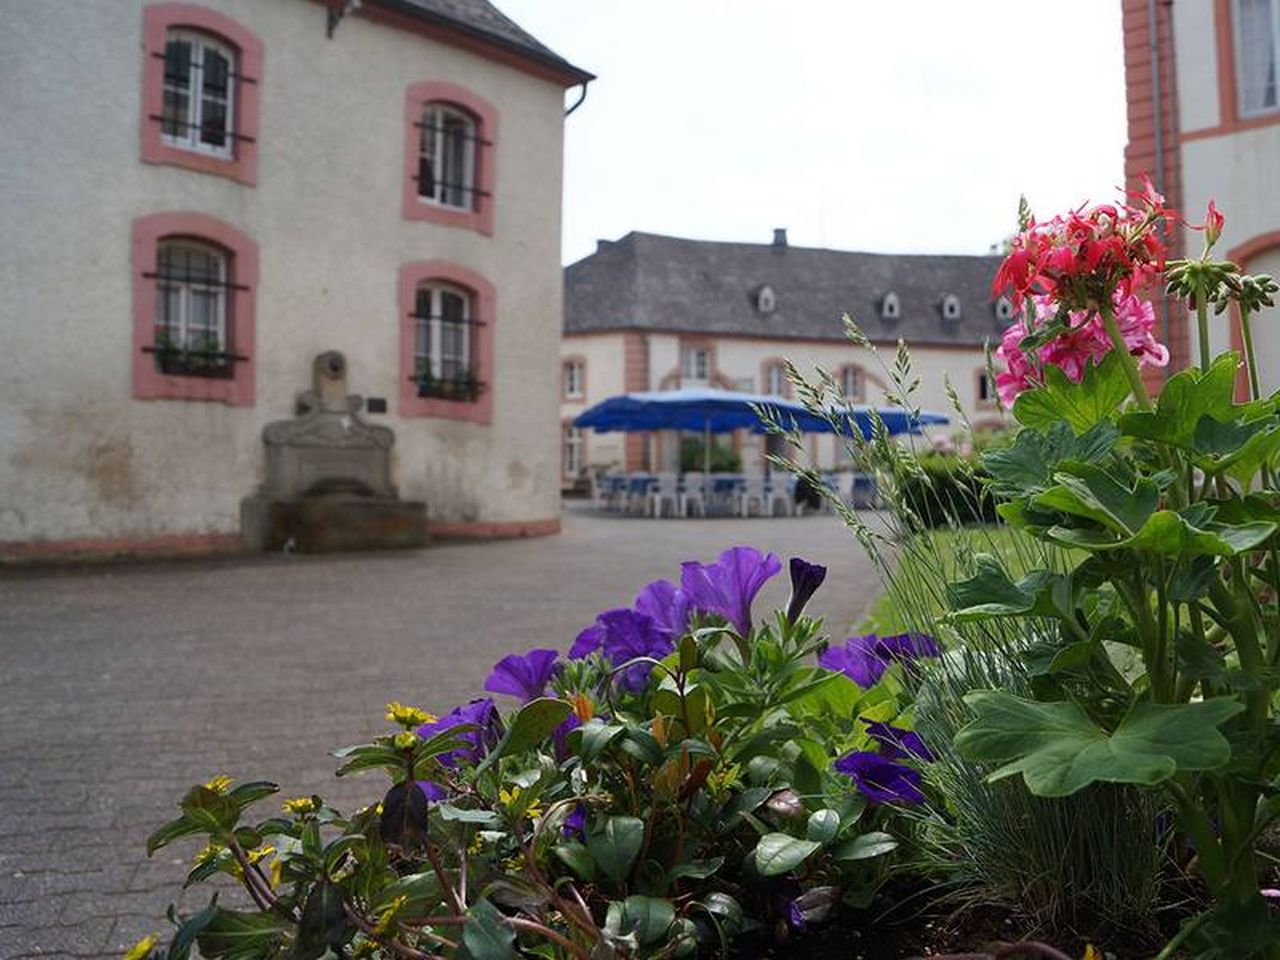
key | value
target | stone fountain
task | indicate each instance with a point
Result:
(328, 479)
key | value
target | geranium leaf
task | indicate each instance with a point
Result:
(1167, 532)
(990, 593)
(1026, 466)
(1059, 749)
(1188, 396)
(1083, 406)
(779, 853)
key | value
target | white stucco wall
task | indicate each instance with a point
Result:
(603, 355)
(1197, 64)
(79, 458)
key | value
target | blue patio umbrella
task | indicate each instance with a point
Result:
(709, 410)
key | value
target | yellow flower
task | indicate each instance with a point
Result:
(476, 844)
(258, 854)
(142, 948)
(1091, 952)
(388, 915)
(300, 806)
(407, 716)
(277, 872)
(406, 741)
(210, 851)
(219, 784)
(513, 864)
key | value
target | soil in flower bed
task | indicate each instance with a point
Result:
(881, 933)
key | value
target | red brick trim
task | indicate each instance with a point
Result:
(483, 312)
(148, 382)
(175, 544)
(157, 20)
(635, 379)
(486, 530)
(412, 207)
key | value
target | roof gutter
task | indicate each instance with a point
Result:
(581, 99)
(557, 65)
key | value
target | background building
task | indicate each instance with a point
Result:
(202, 197)
(1202, 80)
(648, 312)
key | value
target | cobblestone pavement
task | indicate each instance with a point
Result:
(121, 686)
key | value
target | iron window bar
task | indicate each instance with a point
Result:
(201, 280)
(215, 364)
(444, 185)
(168, 121)
(231, 74)
(457, 321)
(453, 133)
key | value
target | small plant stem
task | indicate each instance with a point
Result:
(1197, 824)
(257, 884)
(1130, 365)
(438, 868)
(520, 923)
(1246, 331)
(1202, 321)
(1188, 928)
(392, 944)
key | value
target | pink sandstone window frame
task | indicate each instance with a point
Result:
(158, 19)
(485, 117)
(483, 315)
(242, 254)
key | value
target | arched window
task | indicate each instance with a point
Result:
(890, 307)
(200, 91)
(199, 106)
(775, 380)
(571, 447)
(950, 307)
(852, 383)
(447, 157)
(446, 342)
(195, 281)
(574, 379)
(191, 330)
(1004, 309)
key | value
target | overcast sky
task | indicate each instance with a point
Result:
(858, 125)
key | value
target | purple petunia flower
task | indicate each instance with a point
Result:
(667, 604)
(897, 743)
(880, 778)
(435, 793)
(525, 677)
(728, 586)
(575, 824)
(865, 659)
(622, 635)
(805, 579)
(483, 715)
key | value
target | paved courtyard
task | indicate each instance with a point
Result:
(121, 686)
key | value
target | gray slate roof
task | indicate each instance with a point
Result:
(653, 282)
(482, 19)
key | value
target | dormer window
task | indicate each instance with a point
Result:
(890, 307)
(1004, 309)
(950, 307)
(766, 299)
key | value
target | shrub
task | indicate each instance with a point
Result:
(724, 459)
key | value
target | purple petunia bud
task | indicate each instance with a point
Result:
(805, 579)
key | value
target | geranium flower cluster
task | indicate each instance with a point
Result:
(1080, 259)
(1083, 339)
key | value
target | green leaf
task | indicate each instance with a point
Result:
(252, 791)
(778, 853)
(1188, 396)
(990, 593)
(190, 928)
(485, 935)
(1058, 749)
(576, 857)
(595, 737)
(648, 917)
(448, 811)
(213, 812)
(239, 935)
(1082, 406)
(1092, 493)
(823, 826)
(615, 845)
(323, 923)
(865, 847)
(530, 726)
(367, 756)
(1027, 465)
(695, 869)
(182, 827)
(1172, 534)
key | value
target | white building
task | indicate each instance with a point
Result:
(198, 198)
(648, 312)
(1202, 82)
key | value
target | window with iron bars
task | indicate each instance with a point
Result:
(448, 154)
(199, 94)
(192, 282)
(443, 331)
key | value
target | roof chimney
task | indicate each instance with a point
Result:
(780, 237)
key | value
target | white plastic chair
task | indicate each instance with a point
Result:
(694, 493)
(665, 490)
